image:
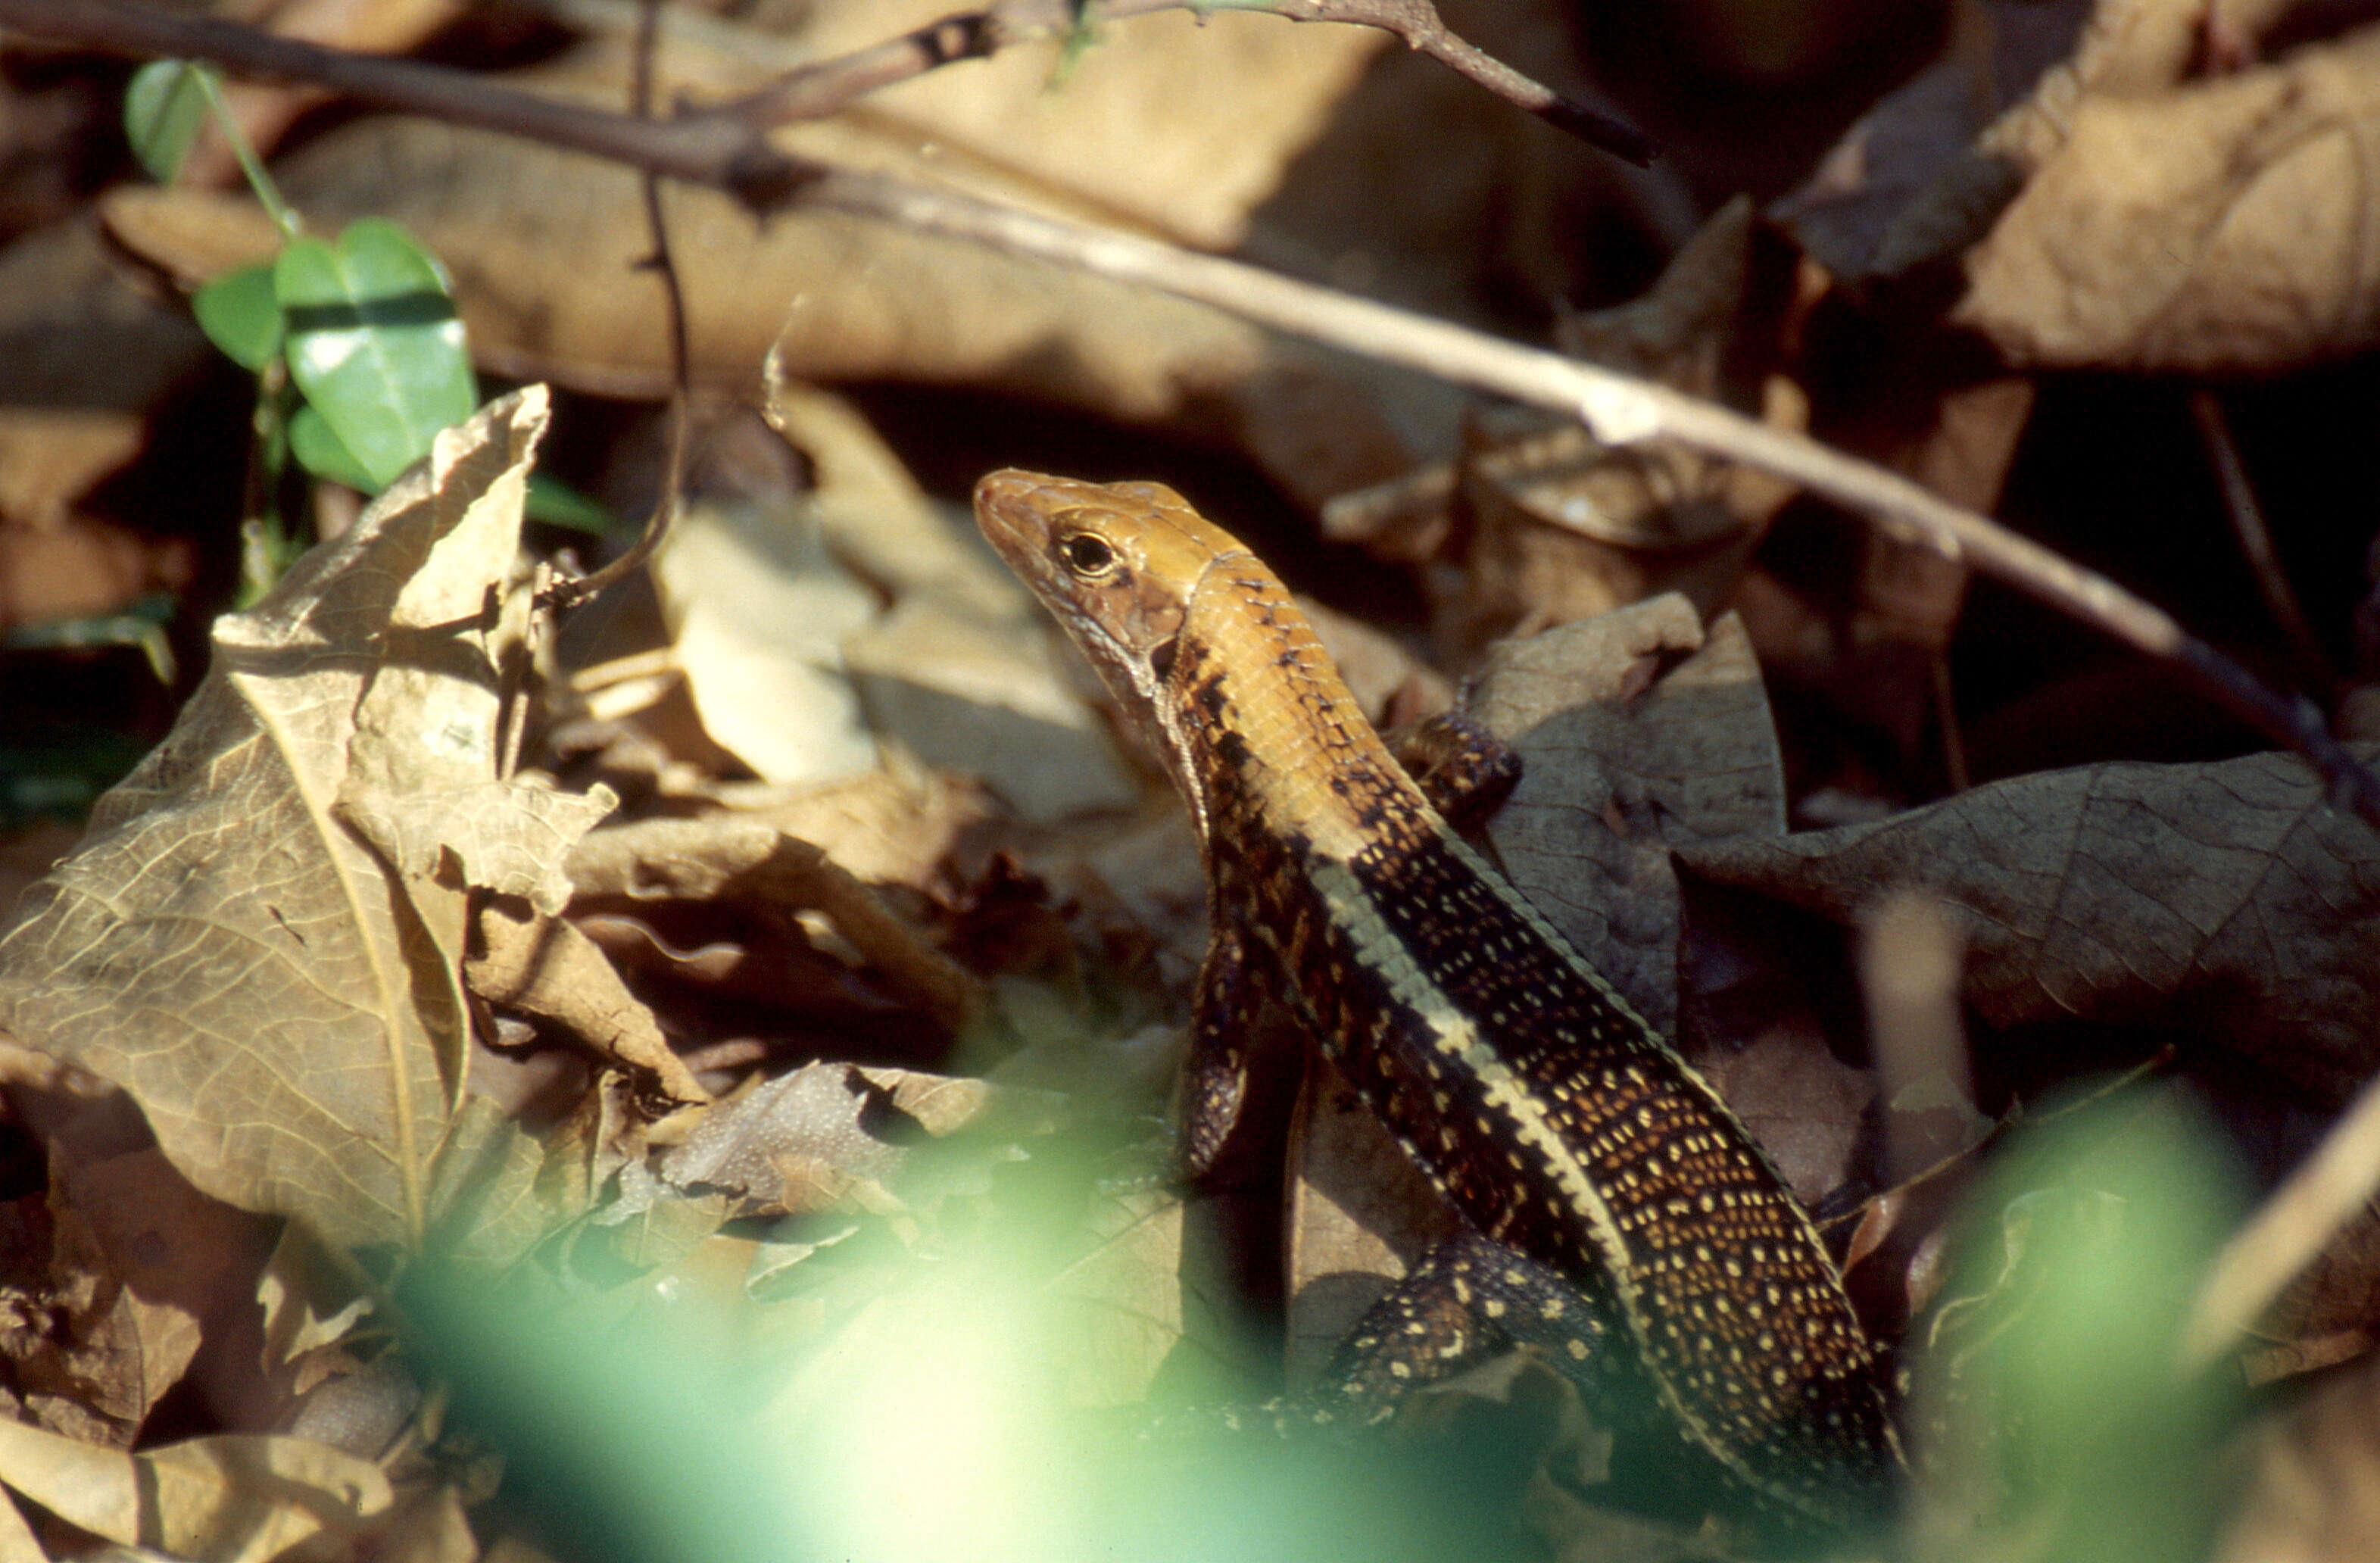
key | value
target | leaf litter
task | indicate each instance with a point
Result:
(777, 1042)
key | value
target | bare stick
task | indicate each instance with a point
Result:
(2256, 539)
(823, 87)
(569, 594)
(1621, 409)
(717, 153)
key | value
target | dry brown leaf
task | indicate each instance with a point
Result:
(543, 966)
(1180, 123)
(1637, 734)
(228, 1500)
(726, 857)
(545, 247)
(281, 1005)
(428, 1528)
(83, 358)
(1125, 1300)
(991, 699)
(1905, 184)
(1803, 1106)
(372, 27)
(2226, 900)
(184, 1262)
(16, 1543)
(2212, 226)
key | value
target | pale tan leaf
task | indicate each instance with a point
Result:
(2214, 226)
(504, 836)
(758, 613)
(429, 1528)
(1182, 123)
(290, 1291)
(726, 857)
(2228, 900)
(226, 1499)
(829, 1131)
(224, 946)
(990, 698)
(2310, 1477)
(1361, 1216)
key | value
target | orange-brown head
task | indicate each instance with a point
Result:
(1118, 564)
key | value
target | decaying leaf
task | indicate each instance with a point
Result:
(278, 996)
(2228, 900)
(1362, 1214)
(83, 355)
(2312, 1486)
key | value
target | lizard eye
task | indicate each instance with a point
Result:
(1086, 554)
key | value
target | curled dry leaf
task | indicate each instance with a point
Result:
(233, 1498)
(2226, 900)
(544, 966)
(2213, 226)
(233, 946)
(726, 857)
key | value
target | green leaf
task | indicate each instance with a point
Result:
(162, 111)
(240, 315)
(319, 450)
(375, 345)
(558, 505)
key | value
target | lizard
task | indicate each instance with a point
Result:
(1615, 1212)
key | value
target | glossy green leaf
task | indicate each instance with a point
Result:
(240, 315)
(374, 344)
(319, 450)
(558, 505)
(163, 109)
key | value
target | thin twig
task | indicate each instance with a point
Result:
(2329, 1189)
(661, 263)
(2257, 540)
(824, 87)
(1619, 409)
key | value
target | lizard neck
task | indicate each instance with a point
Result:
(1264, 734)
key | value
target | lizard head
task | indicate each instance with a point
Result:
(1116, 563)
